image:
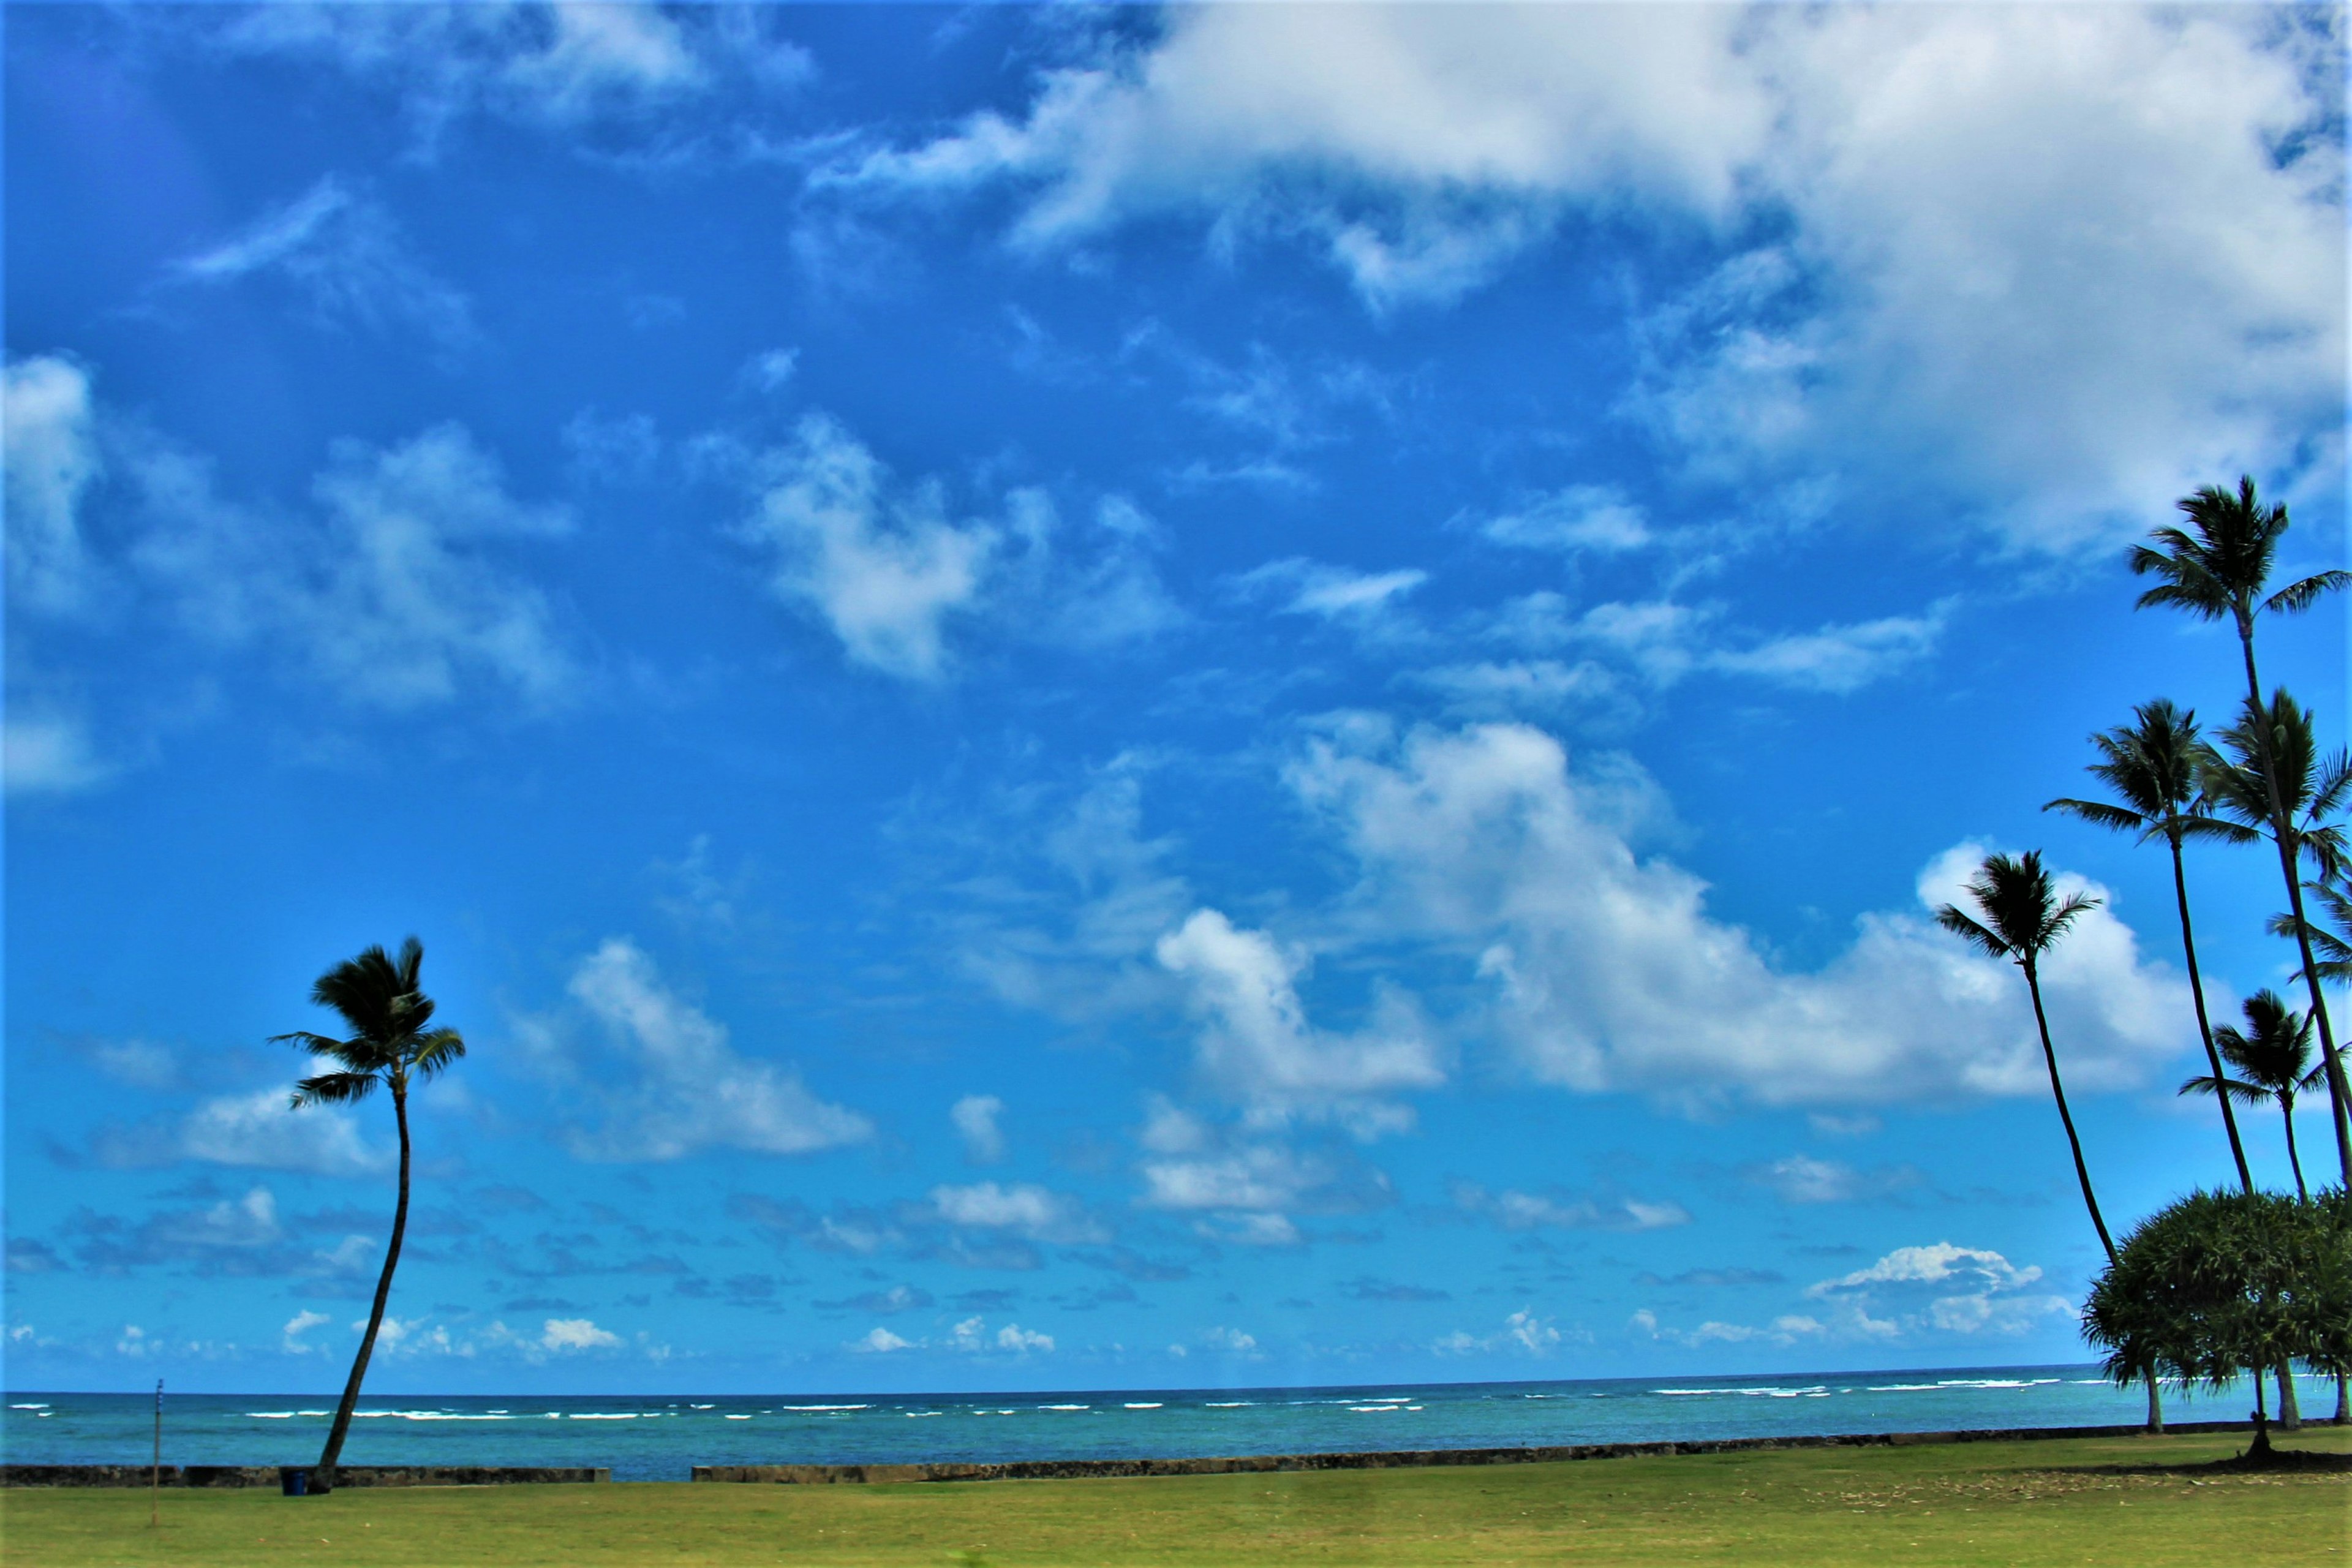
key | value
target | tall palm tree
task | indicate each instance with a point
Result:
(2272, 756)
(2019, 917)
(2220, 565)
(2151, 766)
(2023, 919)
(379, 999)
(2272, 1057)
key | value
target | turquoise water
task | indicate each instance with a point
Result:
(661, 1439)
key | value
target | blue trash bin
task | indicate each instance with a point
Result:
(294, 1480)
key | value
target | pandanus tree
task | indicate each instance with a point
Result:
(2219, 567)
(2272, 1056)
(2220, 1286)
(2151, 765)
(2019, 917)
(2271, 754)
(391, 1045)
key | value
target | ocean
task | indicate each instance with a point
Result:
(660, 1439)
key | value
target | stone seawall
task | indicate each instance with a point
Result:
(1067, 1469)
(267, 1475)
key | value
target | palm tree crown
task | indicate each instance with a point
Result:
(379, 998)
(2272, 1056)
(2151, 766)
(2221, 564)
(2276, 749)
(2023, 913)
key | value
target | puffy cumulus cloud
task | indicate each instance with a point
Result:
(1606, 972)
(1242, 1187)
(576, 1334)
(48, 433)
(562, 67)
(290, 1338)
(2062, 261)
(1258, 1047)
(349, 260)
(888, 570)
(1023, 1209)
(1940, 1288)
(879, 1341)
(1515, 1210)
(661, 1077)
(258, 1130)
(1220, 1340)
(975, 1119)
(1405, 140)
(390, 597)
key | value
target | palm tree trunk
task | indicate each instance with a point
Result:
(2339, 1093)
(2343, 1400)
(2155, 1402)
(2286, 1110)
(2058, 1089)
(322, 1479)
(2289, 1412)
(2204, 1026)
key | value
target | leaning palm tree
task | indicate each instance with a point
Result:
(2151, 767)
(2220, 565)
(379, 999)
(2019, 917)
(2272, 1056)
(2272, 755)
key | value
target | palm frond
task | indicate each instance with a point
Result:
(333, 1089)
(2297, 597)
(1956, 920)
(437, 1052)
(2099, 813)
(2230, 1087)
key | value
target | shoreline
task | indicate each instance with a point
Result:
(255, 1476)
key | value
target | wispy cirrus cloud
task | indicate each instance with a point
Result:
(349, 260)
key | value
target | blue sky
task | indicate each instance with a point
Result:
(1095, 698)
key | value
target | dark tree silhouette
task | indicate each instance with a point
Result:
(2272, 1056)
(2220, 566)
(2151, 766)
(379, 999)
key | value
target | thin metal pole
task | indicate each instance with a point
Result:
(155, 1476)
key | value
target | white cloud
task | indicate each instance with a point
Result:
(564, 67)
(667, 1083)
(889, 572)
(975, 1122)
(389, 598)
(576, 1334)
(1784, 1331)
(1802, 1179)
(1662, 643)
(770, 371)
(882, 572)
(1595, 519)
(879, 1341)
(1013, 1337)
(1515, 1210)
(1942, 1289)
(52, 457)
(260, 1130)
(1331, 592)
(1257, 1047)
(1024, 1209)
(1606, 971)
(291, 1340)
(48, 754)
(349, 259)
(2057, 263)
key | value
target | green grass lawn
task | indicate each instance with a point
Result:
(2133, 1501)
